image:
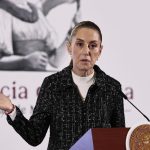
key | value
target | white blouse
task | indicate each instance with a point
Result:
(83, 83)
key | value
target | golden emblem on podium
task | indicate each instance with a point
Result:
(138, 137)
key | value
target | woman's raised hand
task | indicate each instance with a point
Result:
(5, 104)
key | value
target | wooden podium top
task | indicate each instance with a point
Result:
(102, 139)
(109, 138)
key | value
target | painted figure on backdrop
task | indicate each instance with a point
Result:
(18, 12)
(28, 45)
(73, 100)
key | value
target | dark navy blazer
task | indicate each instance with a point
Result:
(60, 107)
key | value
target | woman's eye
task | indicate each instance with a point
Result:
(92, 46)
(79, 44)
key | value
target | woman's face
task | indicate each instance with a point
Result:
(85, 48)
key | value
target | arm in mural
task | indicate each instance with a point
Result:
(57, 59)
(15, 62)
(49, 4)
(20, 13)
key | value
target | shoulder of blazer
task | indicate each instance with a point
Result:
(60, 79)
(112, 83)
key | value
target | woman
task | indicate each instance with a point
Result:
(33, 45)
(70, 102)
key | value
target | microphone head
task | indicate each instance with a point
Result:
(124, 96)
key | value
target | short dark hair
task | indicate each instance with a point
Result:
(85, 24)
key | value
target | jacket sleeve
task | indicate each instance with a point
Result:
(34, 130)
(118, 117)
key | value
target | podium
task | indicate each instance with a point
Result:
(102, 139)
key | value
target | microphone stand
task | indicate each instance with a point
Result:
(126, 98)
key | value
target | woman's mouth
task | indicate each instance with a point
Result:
(85, 60)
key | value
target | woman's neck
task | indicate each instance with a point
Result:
(83, 73)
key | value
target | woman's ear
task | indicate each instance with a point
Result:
(68, 44)
(100, 51)
(101, 48)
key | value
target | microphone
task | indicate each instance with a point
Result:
(126, 98)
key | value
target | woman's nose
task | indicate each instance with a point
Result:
(86, 49)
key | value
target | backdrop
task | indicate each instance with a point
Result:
(125, 56)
